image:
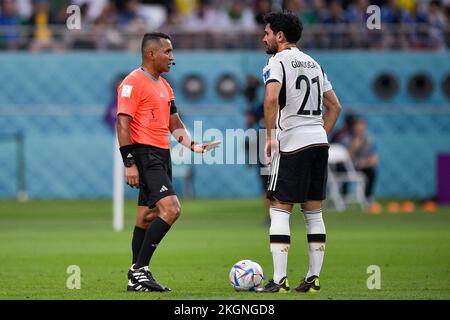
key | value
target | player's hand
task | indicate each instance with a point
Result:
(271, 148)
(132, 176)
(204, 147)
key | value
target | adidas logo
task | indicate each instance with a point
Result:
(129, 156)
(163, 188)
(321, 248)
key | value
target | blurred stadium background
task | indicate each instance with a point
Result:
(57, 89)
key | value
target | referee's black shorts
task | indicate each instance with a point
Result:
(155, 174)
(299, 176)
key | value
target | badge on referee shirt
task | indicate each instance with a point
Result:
(126, 91)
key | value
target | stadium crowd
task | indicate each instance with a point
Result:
(38, 25)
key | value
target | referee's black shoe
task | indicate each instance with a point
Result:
(134, 286)
(144, 277)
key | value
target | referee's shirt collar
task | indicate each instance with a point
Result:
(148, 74)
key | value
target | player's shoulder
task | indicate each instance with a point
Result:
(278, 57)
(133, 78)
(269, 60)
(272, 63)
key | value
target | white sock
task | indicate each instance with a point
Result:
(315, 229)
(280, 240)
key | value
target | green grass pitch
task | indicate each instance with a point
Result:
(40, 239)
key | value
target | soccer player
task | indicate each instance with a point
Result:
(296, 88)
(146, 113)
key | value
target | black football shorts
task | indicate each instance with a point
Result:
(298, 176)
(155, 174)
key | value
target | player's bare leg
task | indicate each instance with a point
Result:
(316, 236)
(280, 240)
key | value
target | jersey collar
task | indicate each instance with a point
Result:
(148, 74)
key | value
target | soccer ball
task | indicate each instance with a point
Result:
(246, 275)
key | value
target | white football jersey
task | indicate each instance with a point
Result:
(299, 121)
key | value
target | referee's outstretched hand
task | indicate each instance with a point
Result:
(204, 147)
(132, 176)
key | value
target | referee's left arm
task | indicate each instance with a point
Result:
(181, 134)
(179, 131)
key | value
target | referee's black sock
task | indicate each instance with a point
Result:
(155, 232)
(136, 242)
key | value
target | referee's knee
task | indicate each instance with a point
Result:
(171, 213)
(175, 211)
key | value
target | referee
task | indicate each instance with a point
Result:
(146, 113)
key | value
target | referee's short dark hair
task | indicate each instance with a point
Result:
(152, 36)
(287, 22)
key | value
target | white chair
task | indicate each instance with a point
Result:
(338, 154)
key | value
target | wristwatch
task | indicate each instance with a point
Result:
(129, 162)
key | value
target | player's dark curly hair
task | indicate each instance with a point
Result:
(287, 22)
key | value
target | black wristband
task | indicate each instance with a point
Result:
(173, 107)
(127, 152)
(192, 145)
